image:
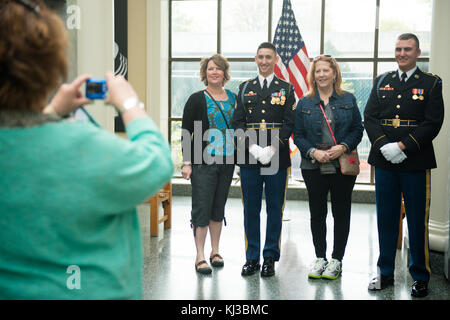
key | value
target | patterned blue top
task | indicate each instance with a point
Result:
(219, 137)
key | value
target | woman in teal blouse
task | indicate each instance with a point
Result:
(209, 112)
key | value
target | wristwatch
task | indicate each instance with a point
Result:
(130, 103)
(313, 160)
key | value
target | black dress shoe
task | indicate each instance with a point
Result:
(380, 282)
(250, 267)
(419, 289)
(268, 267)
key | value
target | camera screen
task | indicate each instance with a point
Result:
(93, 88)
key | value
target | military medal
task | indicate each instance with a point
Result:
(275, 98)
(283, 96)
(417, 94)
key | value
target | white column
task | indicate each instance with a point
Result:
(96, 50)
(158, 62)
(148, 57)
(440, 178)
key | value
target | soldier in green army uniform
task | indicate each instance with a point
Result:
(403, 115)
(265, 112)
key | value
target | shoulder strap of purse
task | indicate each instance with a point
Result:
(326, 120)
(218, 107)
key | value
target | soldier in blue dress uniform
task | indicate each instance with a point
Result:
(403, 115)
(265, 113)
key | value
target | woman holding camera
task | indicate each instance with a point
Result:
(325, 111)
(69, 190)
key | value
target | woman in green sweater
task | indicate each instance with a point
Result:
(68, 190)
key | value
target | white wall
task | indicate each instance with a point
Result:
(440, 178)
(96, 50)
(148, 57)
(158, 62)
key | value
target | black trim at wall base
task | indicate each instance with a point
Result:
(182, 188)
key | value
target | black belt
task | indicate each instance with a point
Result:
(264, 125)
(398, 123)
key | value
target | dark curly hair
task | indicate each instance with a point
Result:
(33, 61)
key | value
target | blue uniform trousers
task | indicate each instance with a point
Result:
(415, 187)
(252, 183)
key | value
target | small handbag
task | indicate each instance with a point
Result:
(349, 161)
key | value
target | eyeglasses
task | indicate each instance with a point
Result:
(322, 55)
(30, 5)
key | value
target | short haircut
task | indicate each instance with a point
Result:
(33, 59)
(407, 36)
(221, 62)
(267, 45)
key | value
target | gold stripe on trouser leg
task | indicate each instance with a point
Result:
(427, 215)
(245, 235)
(284, 203)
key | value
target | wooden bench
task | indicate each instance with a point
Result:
(164, 197)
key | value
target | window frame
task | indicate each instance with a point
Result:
(374, 60)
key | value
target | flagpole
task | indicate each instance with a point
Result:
(270, 22)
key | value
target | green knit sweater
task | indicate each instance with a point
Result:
(68, 222)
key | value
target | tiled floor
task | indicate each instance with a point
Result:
(169, 272)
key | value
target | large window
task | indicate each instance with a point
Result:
(360, 34)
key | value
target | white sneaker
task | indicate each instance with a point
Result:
(333, 270)
(318, 266)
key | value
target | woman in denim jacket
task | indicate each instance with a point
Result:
(320, 165)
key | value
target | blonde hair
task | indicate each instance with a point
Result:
(221, 62)
(311, 78)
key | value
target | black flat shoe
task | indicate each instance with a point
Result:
(268, 268)
(250, 267)
(218, 262)
(419, 289)
(204, 270)
(380, 282)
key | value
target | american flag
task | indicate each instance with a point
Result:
(293, 64)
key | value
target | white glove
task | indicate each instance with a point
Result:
(255, 151)
(399, 158)
(266, 155)
(390, 150)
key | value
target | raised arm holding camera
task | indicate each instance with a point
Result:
(69, 190)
